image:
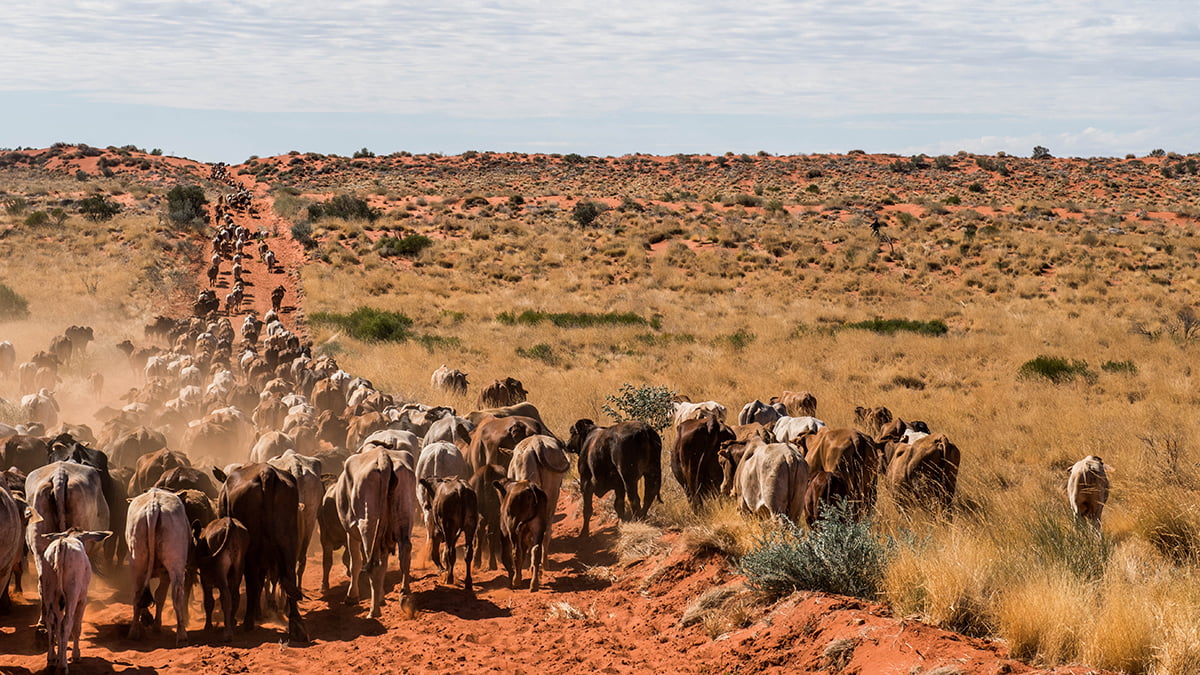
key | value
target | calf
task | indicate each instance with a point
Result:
(824, 488)
(454, 509)
(64, 573)
(221, 548)
(439, 460)
(541, 460)
(159, 546)
(524, 519)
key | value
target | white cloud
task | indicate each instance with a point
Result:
(1107, 63)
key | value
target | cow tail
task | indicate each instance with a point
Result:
(287, 582)
(376, 540)
(145, 597)
(60, 499)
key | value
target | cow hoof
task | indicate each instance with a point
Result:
(227, 636)
(181, 641)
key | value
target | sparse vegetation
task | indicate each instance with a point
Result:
(97, 209)
(369, 324)
(407, 246)
(185, 204)
(651, 404)
(893, 326)
(1055, 369)
(12, 304)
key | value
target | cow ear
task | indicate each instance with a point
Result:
(500, 486)
(219, 474)
(94, 536)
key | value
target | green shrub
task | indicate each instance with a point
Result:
(409, 245)
(842, 556)
(12, 304)
(585, 212)
(651, 404)
(369, 324)
(539, 352)
(742, 199)
(893, 326)
(15, 206)
(363, 154)
(1128, 367)
(302, 233)
(739, 339)
(185, 204)
(37, 219)
(343, 206)
(96, 208)
(1056, 369)
(576, 319)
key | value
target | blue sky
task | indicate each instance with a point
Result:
(221, 80)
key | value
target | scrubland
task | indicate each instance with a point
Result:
(745, 276)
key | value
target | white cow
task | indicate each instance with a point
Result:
(64, 574)
(685, 410)
(541, 460)
(40, 407)
(788, 429)
(772, 479)
(1087, 489)
(160, 542)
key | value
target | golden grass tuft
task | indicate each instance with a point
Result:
(638, 541)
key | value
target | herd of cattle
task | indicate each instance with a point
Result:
(189, 486)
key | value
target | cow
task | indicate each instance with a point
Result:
(872, 419)
(494, 439)
(333, 534)
(824, 487)
(450, 429)
(925, 471)
(160, 545)
(508, 391)
(791, 429)
(614, 459)
(440, 460)
(686, 410)
(79, 336)
(850, 454)
(763, 413)
(524, 519)
(487, 534)
(151, 467)
(454, 509)
(798, 403)
(362, 426)
(307, 472)
(267, 502)
(64, 574)
(417, 418)
(328, 395)
(523, 409)
(541, 460)
(61, 347)
(271, 444)
(221, 548)
(450, 380)
(772, 480)
(187, 478)
(363, 495)
(40, 407)
(64, 448)
(395, 440)
(1087, 489)
(129, 446)
(8, 358)
(24, 452)
(12, 544)
(277, 297)
(694, 456)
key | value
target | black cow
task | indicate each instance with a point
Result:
(23, 452)
(267, 501)
(694, 457)
(616, 458)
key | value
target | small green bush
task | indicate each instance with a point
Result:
(1127, 367)
(893, 326)
(37, 219)
(654, 405)
(1068, 543)
(302, 233)
(15, 206)
(343, 206)
(96, 208)
(843, 556)
(409, 245)
(585, 213)
(539, 352)
(369, 324)
(576, 319)
(185, 204)
(1056, 369)
(739, 339)
(12, 304)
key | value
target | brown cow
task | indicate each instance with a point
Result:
(798, 403)
(494, 440)
(333, 534)
(151, 467)
(361, 426)
(926, 471)
(824, 488)
(455, 509)
(129, 446)
(508, 391)
(524, 409)
(524, 517)
(187, 478)
(487, 534)
(850, 454)
(694, 456)
(872, 419)
(221, 548)
(267, 502)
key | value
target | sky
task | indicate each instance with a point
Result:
(220, 80)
